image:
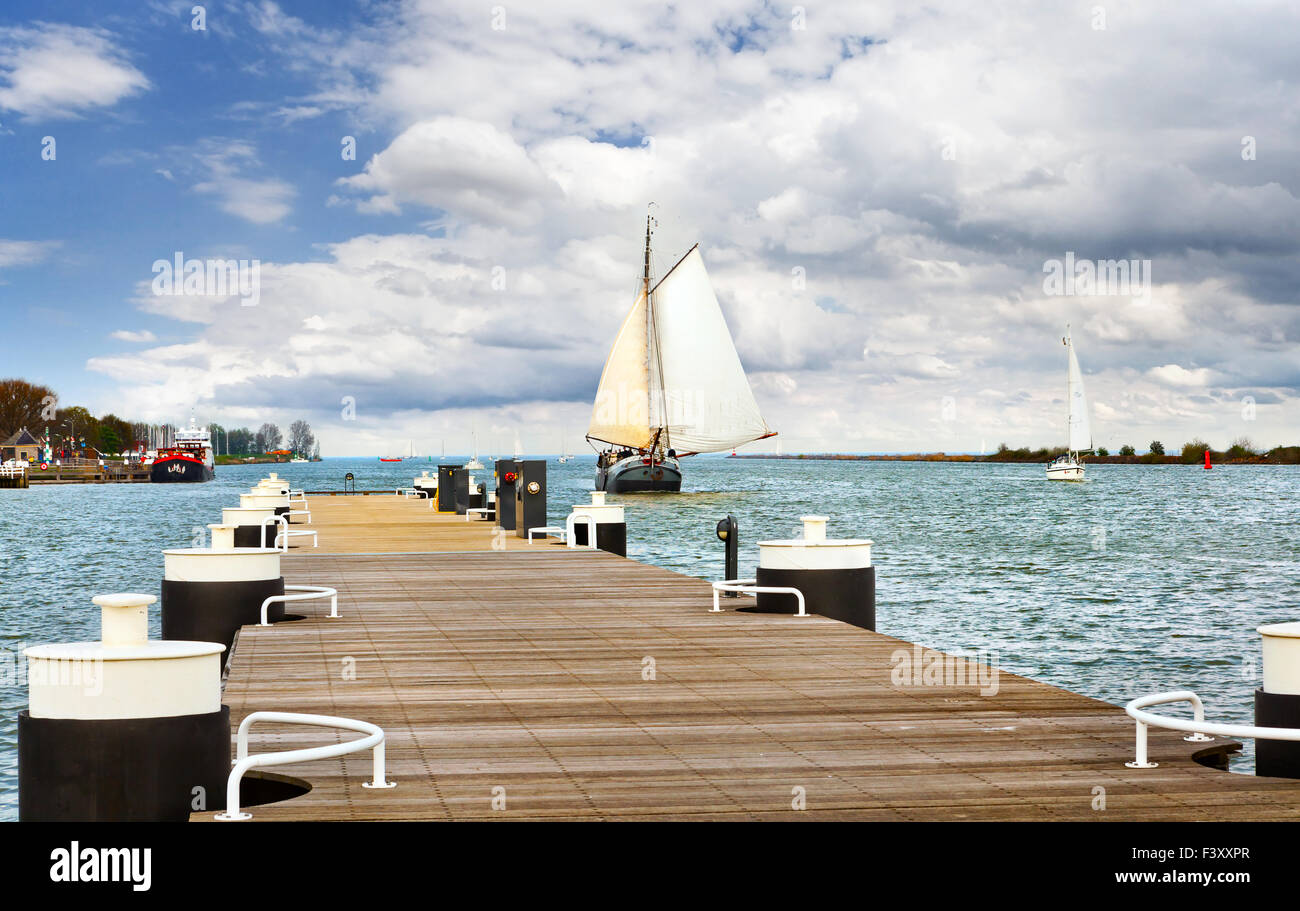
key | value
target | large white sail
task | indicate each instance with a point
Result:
(621, 414)
(1080, 429)
(705, 401)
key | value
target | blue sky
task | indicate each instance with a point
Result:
(919, 168)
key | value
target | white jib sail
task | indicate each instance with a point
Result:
(621, 414)
(1080, 429)
(707, 403)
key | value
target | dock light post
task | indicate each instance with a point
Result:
(729, 535)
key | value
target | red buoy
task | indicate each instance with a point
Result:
(1207, 458)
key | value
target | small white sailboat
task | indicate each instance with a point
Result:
(564, 449)
(1069, 467)
(474, 464)
(673, 384)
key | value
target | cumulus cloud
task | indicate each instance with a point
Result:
(225, 165)
(875, 195)
(143, 336)
(58, 71)
(25, 252)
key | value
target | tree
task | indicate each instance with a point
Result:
(1127, 450)
(1157, 447)
(1242, 448)
(1194, 451)
(1103, 451)
(301, 438)
(241, 439)
(24, 404)
(268, 438)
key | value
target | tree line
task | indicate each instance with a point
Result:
(36, 408)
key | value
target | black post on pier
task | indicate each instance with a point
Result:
(729, 535)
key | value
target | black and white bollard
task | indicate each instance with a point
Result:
(267, 498)
(208, 593)
(426, 484)
(530, 496)
(248, 522)
(1277, 703)
(126, 728)
(611, 528)
(835, 576)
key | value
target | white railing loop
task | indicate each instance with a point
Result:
(1198, 727)
(374, 739)
(286, 535)
(750, 587)
(310, 593)
(545, 530)
(571, 525)
(284, 526)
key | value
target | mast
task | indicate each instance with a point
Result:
(652, 341)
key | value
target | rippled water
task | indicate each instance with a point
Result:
(1142, 578)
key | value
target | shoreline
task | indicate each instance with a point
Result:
(1035, 459)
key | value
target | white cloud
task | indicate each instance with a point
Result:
(143, 336)
(59, 71)
(25, 252)
(225, 164)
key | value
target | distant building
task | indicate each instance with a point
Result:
(21, 446)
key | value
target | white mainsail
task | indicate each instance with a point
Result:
(707, 405)
(1080, 429)
(673, 374)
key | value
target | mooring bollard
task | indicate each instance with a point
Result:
(530, 496)
(248, 522)
(835, 576)
(267, 497)
(1277, 702)
(126, 728)
(208, 593)
(507, 473)
(729, 535)
(426, 484)
(611, 528)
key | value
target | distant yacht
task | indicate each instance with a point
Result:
(1069, 467)
(564, 449)
(673, 385)
(474, 464)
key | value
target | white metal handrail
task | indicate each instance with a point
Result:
(374, 739)
(286, 534)
(750, 587)
(571, 526)
(9, 471)
(310, 593)
(547, 530)
(298, 512)
(480, 511)
(284, 526)
(1198, 726)
(406, 492)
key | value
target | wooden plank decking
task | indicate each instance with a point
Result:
(526, 670)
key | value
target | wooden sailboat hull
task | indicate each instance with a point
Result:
(637, 474)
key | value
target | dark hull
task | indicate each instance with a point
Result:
(176, 471)
(634, 476)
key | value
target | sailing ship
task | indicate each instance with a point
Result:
(564, 449)
(189, 458)
(673, 384)
(1069, 467)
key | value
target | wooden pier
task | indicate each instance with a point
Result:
(519, 681)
